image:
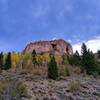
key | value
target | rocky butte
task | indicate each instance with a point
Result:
(57, 47)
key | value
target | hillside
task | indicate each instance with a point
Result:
(37, 75)
(14, 86)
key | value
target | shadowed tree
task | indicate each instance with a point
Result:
(34, 58)
(1, 61)
(84, 52)
(88, 60)
(84, 49)
(75, 60)
(8, 61)
(98, 54)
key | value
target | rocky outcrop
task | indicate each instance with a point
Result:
(58, 47)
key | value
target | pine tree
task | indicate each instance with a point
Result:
(8, 62)
(84, 49)
(76, 59)
(98, 54)
(84, 52)
(1, 61)
(91, 62)
(34, 57)
(88, 60)
(52, 69)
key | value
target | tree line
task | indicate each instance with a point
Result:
(87, 62)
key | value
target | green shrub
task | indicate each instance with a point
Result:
(67, 72)
(52, 69)
(20, 90)
(65, 60)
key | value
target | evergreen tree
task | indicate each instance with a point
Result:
(75, 60)
(1, 61)
(88, 60)
(84, 52)
(98, 54)
(8, 61)
(52, 69)
(91, 65)
(34, 57)
(84, 49)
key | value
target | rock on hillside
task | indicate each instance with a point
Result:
(57, 47)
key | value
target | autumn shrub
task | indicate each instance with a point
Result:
(17, 60)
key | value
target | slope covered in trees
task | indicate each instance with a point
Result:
(59, 65)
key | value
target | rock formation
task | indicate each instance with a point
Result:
(57, 47)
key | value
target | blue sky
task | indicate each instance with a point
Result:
(24, 21)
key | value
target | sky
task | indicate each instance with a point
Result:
(25, 21)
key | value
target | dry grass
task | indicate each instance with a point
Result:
(74, 69)
(3, 86)
(12, 88)
(74, 86)
(63, 70)
(20, 90)
(35, 70)
(40, 70)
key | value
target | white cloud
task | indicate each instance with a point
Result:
(77, 47)
(69, 41)
(93, 44)
(54, 38)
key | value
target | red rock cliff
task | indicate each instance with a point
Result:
(58, 47)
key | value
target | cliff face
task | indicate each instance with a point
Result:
(57, 47)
